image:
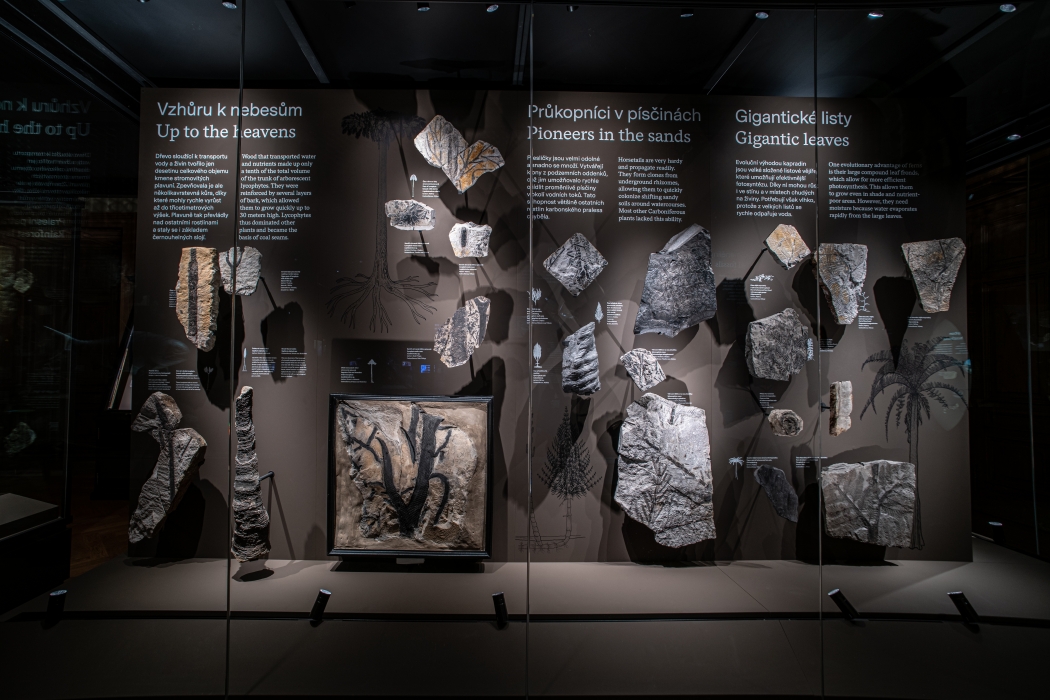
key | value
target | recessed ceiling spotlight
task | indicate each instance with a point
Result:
(491, 8)
(572, 8)
(762, 15)
(1013, 137)
(874, 14)
(422, 7)
(229, 4)
(1008, 7)
(686, 13)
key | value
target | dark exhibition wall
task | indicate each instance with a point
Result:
(562, 341)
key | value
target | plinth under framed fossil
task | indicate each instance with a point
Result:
(409, 475)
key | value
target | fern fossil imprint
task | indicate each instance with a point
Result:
(350, 293)
(913, 376)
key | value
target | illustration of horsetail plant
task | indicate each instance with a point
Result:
(912, 375)
(381, 126)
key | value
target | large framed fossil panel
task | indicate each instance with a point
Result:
(409, 476)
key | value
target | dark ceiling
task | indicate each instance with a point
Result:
(997, 61)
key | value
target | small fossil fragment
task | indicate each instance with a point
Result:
(643, 368)
(20, 437)
(787, 246)
(575, 264)
(410, 215)
(934, 266)
(841, 407)
(784, 422)
(248, 262)
(470, 240)
(775, 346)
(579, 363)
(780, 492)
(458, 338)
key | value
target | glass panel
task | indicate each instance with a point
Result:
(675, 383)
(399, 472)
(85, 208)
(930, 521)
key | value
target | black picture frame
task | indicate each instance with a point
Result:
(333, 444)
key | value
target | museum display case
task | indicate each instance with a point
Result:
(413, 349)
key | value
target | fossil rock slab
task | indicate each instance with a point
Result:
(781, 493)
(197, 295)
(842, 269)
(785, 423)
(470, 240)
(870, 502)
(410, 215)
(934, 265)
(643, 368)
(679, 289)
(444, 147)
(23, 281)
(458, 338)
(579, 362)
(181, 453)
(787, 246)
(251, 522)
(411, 475)
(841, 407)
(575, 264)
(20, 437)
(664, 471)
(775, 346)
(248, 262)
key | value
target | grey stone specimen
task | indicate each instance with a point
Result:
(197, 295)
(870, 502)
(841, 407)
(643, 368)
(579, 363)
(444, 147)
(842, 269)
(679, 289)
(784, 422)
(781, 494)
(458, 338)
(181, 453)
(934, 265)
(787, 246)
(20, 437)
(470, 240)
(410, 215)
(575, 264)
(248, 262)
(664, 471)
(251, 522)
(23, 281)
(775, 346)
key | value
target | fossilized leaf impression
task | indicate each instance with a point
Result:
(181, 453)
(664, 471)
(470, 240)
(418, 476)
(410, 215)
(780, 492)
(787, 246)
(575, 264)
(579, 363)
(934, 266)
(870, 502)
(679, 289)
(643, 368)
(251, 522)
(775, 346)
(197, 295)
(444, 147)
(458, 338)
(842, 269)
(247, 262)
